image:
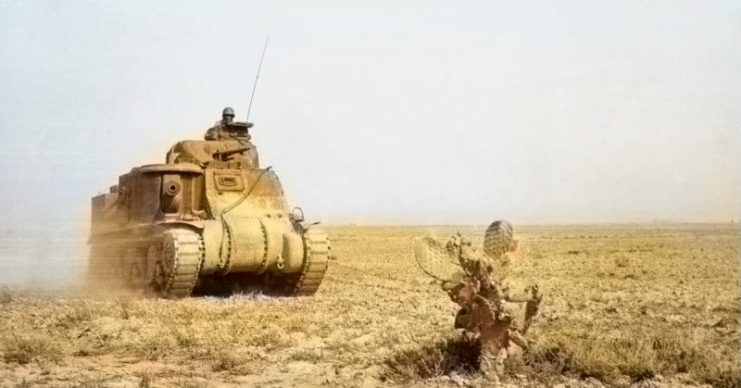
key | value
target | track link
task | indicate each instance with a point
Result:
(315, 263)
(181, 260)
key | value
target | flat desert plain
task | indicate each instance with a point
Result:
(642, 305)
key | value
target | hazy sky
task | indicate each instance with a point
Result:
(427, 112)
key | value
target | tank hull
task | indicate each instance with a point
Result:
(204, 226)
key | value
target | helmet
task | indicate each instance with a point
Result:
(228, 111)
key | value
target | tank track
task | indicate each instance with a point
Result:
(315, 264)
(182, 252)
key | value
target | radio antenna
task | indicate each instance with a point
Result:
(257, 76)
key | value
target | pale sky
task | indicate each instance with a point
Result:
(419, 112)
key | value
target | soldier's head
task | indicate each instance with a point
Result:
(227, 115)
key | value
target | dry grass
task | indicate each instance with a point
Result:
(622, 303)
(30, 348)
(452, 356)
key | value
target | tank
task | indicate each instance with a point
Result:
(209, 220)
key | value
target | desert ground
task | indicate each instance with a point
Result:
(640, 304)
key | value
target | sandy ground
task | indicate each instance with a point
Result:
(642, 305)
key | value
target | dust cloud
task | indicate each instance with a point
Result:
(43, 257)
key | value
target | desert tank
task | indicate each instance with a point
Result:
(209, 220)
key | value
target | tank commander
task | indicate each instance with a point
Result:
(227, 140)
(226, 128)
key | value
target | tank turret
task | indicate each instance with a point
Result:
(208, 220)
